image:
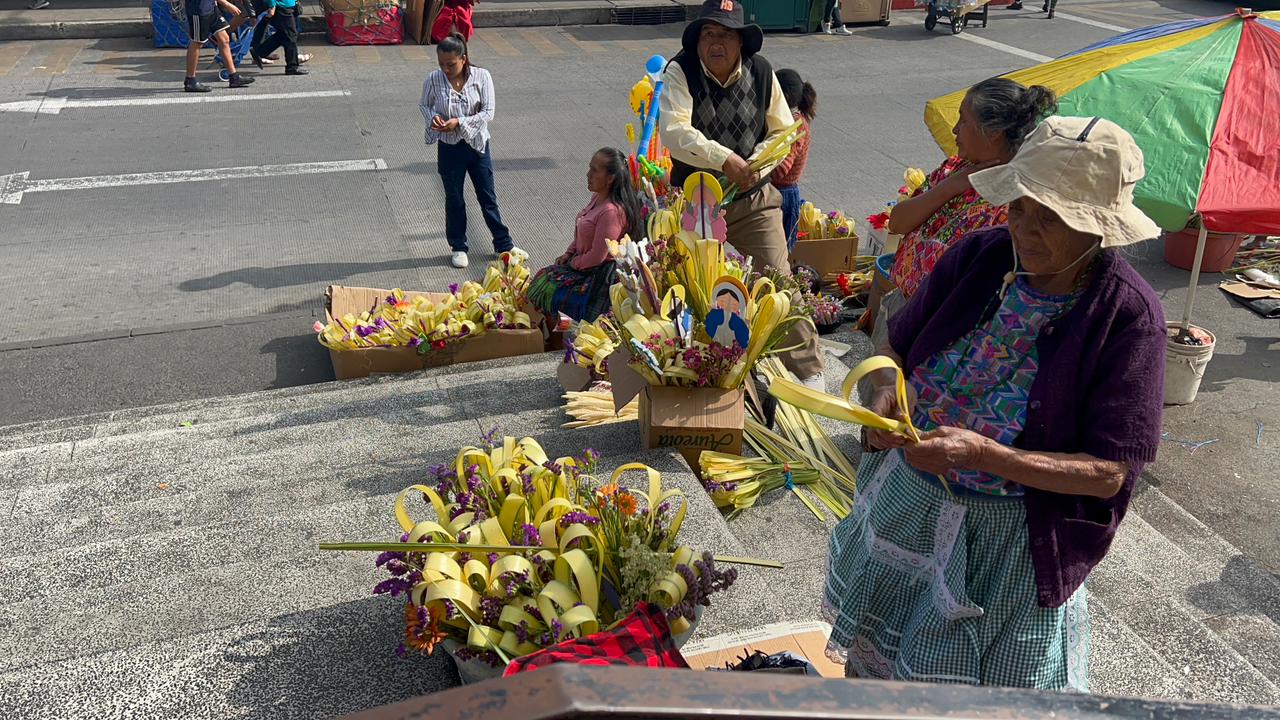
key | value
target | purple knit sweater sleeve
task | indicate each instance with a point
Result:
(1123, 404)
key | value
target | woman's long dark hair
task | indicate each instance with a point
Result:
(621, 190)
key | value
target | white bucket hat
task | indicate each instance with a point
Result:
(1085, 170)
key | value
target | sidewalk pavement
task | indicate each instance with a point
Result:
(66, 19)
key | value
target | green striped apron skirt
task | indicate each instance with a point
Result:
(927, 586)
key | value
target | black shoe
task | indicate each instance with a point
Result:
(192, 85)
(297, 71)
(1045, 7)
(239, 81)
(257, 59)
(1014, 5)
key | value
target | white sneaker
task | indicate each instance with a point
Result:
(816, 382)
(460, 259)
(518, 253)
(842, 30)
(826, 28)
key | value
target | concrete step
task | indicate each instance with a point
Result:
(1209, 610)
(175, 568)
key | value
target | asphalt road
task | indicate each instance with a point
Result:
(124, 296)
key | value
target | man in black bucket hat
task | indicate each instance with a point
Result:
(721, 104)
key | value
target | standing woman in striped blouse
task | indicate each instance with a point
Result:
(457, 105)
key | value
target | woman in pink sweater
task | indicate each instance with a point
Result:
(577, 283)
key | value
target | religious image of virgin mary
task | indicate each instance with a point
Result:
(724, 323)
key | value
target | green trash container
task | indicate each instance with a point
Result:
(780, 14)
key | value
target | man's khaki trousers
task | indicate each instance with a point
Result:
(755, 230)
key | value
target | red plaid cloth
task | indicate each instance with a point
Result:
(643, 639)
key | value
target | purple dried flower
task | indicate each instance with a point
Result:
(490, 610)
(488, 657)
(453, 288)
(490, 438)
(415, 341)
(384, 558)
(529, 535)
(393, 586)
(578, 517)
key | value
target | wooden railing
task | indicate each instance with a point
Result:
(584, 693)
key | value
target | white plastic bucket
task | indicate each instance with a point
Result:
(1184, 368)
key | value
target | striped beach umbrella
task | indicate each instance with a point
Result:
(1202, 99)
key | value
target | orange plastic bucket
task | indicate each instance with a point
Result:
(1219, 249)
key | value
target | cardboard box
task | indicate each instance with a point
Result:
(808, 640)
(828, 255)
(573, 377)
(340, 300)
(865, 11)
(419, 16)
(881, 242)
(692, 420)
(687, 419)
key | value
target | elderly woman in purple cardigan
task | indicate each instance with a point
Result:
(1035, 354)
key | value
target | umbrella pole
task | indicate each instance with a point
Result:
(1195, 278)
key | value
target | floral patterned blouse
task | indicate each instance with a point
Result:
(961, 215)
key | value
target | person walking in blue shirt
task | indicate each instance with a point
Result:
(283, 16)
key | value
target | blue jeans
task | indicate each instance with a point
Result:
(456, 162)
(790, 213)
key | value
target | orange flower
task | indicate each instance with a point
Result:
(609, 490)
(627, 503)
(417, 636)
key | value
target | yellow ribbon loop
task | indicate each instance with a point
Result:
(845, 409)
(514, 514)
(514, 614)
(430, 530)
(455, 591)
(574, 569)
(440, 566)
(402, 515)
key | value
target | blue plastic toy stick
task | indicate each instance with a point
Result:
(653, 67)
